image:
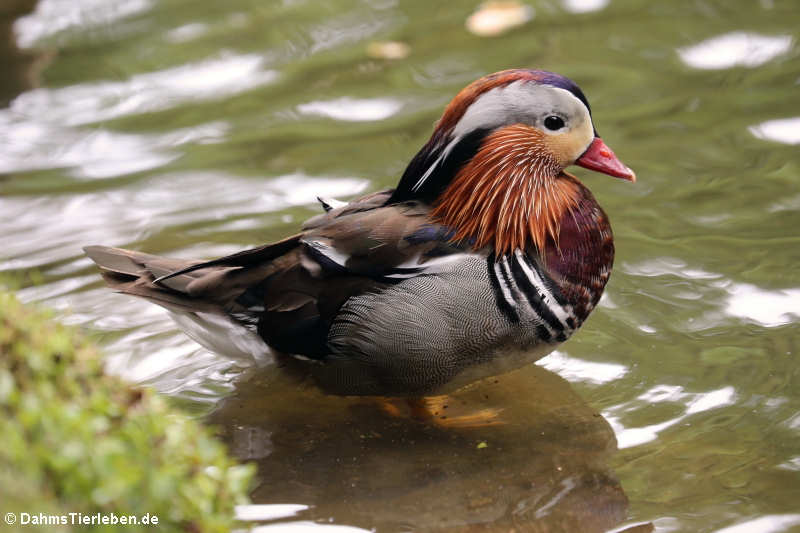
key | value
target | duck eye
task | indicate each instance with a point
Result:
(553, 123)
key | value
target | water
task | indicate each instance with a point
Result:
(198, 129)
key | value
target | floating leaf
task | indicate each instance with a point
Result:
(497, 17)
(388, 50)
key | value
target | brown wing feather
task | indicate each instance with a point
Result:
(132, 272)
(377, 240)
(288, 290)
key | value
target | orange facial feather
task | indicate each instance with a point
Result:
(511, 194)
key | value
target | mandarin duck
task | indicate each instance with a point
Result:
(485, 257)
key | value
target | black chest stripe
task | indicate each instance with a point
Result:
(534, 298)
(508, 310)
(551, 286)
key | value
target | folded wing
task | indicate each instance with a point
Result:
(289, 292)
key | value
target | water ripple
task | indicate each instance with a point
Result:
(353, 109)
(54, 16)
(100, 153)
(575, 369)
(348, 28)
(660, 266)
(783, 130)
(86, 103)
(584, 6)
(306, 526)
(694, 403)
(187, 32)
(765, 307)
(735, 49)
(765, 524)
(254, 512)
(118, 217)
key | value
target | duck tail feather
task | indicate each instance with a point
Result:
(133, 273)
(244, 258)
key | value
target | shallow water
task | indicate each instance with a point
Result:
(198, 129)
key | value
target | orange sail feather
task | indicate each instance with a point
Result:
(512, 194)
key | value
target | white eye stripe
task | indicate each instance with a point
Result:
(521, 102)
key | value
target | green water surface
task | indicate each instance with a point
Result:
(198, 128)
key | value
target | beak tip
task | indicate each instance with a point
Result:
(601, 158)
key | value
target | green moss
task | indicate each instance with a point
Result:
(75, 440)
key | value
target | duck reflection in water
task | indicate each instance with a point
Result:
(541, 464)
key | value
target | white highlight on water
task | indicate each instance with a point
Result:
(772, 523)
(584, 6)
(782, 130)
(694, 402)
(353, 109)
(735, 49)
(574, 369)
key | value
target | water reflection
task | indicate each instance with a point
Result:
(353, 110)
(46, 128)
(187, 32)
(33, 145)
(765, 307)
(764, 524)
(782, 130)
(85, 103)
(54, 16)
(125, 215)
(584, 6)
(348, 28)
(544, 468)
(735, 49)
(574, 369)
(305, 526)
(688, 403)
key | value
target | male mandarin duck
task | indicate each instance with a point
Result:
(485, 257)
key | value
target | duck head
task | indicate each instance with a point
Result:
(494, 167)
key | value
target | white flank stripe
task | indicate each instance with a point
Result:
(435, 265)
(328, 251)
(501, 280)
(402, 275)
(541, 288)
(542, 321)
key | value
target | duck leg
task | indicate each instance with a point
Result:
(441, 411)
